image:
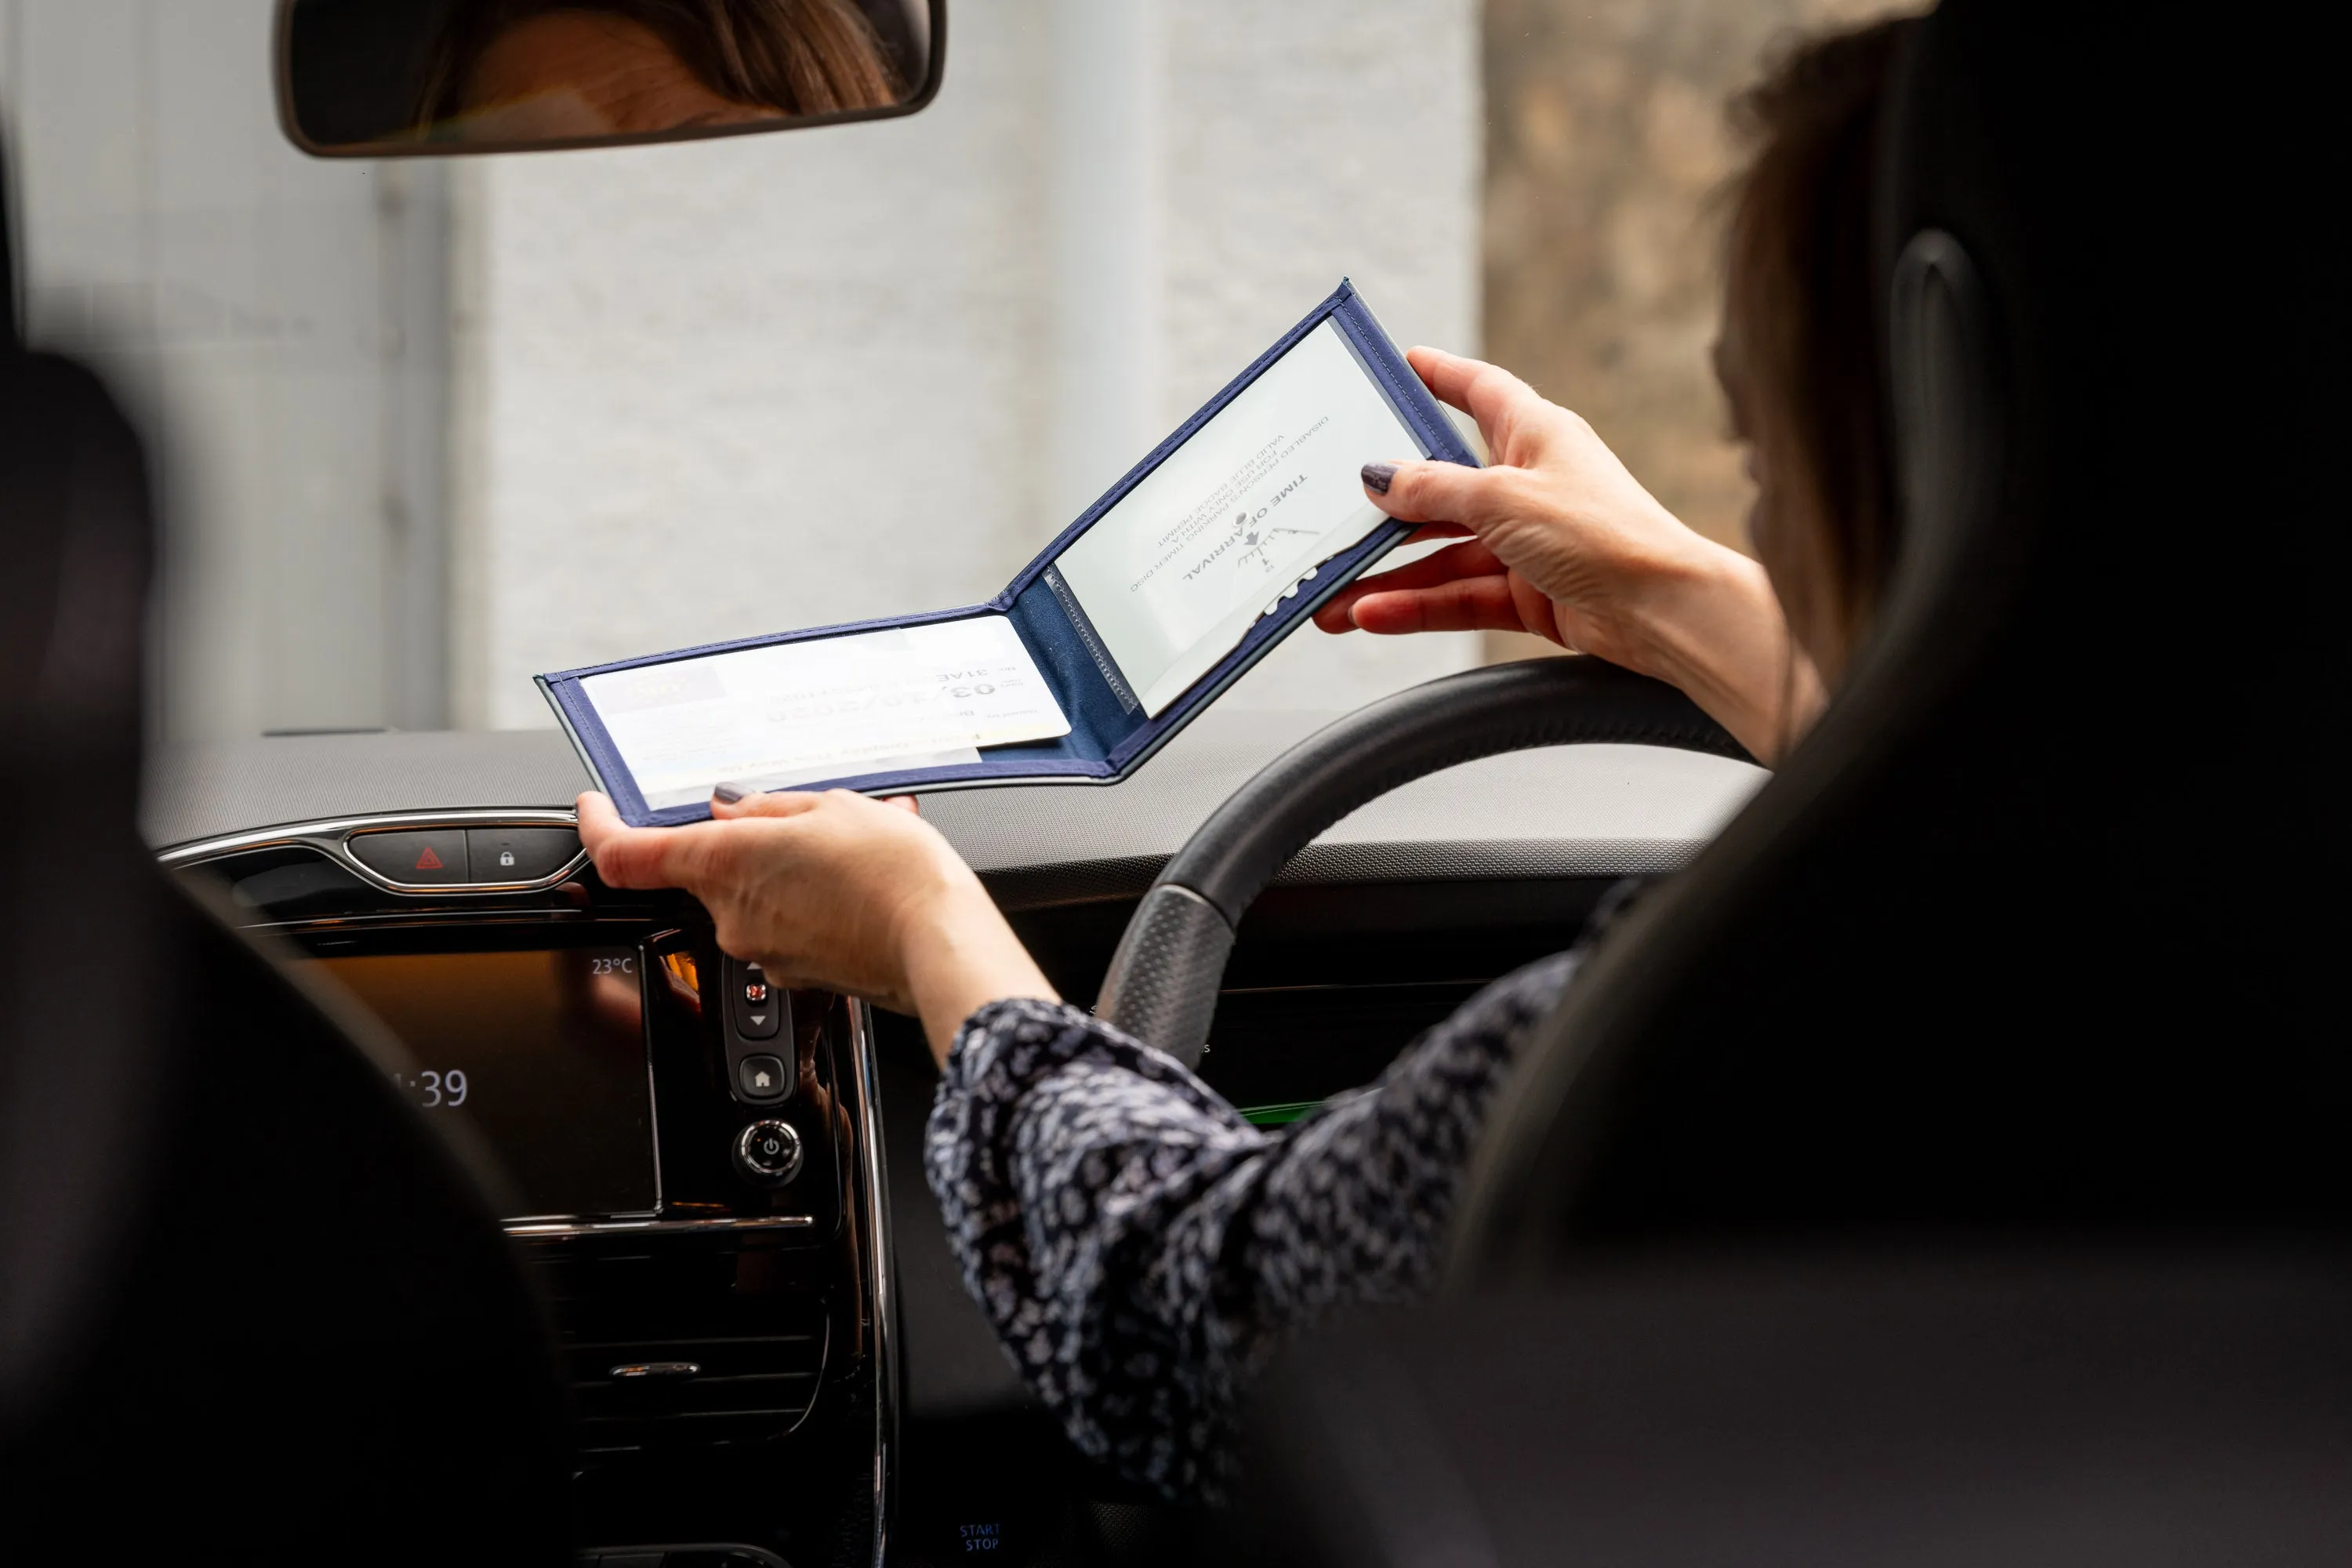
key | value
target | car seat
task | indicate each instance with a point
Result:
(249, 1304)
(2025, 956)
(2023, 935)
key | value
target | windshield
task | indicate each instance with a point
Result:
(425, 428)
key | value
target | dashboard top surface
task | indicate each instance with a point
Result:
(1569, 811)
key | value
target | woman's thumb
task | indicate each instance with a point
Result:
(1428, 492)
(732, 800)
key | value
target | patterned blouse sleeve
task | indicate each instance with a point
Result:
(1140, 1248)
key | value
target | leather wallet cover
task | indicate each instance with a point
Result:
(1203, 526)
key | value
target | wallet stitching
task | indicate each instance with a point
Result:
(1079, 624)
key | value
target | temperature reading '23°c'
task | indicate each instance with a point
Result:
(435, 1090)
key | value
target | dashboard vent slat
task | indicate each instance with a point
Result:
(758, 1357)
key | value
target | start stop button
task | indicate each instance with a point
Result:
(767, 1153)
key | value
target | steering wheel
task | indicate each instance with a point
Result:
(1163, 984)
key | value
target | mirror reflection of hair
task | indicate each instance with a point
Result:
(541, 70)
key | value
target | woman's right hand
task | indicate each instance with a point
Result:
(1567, 544)
(832, 890)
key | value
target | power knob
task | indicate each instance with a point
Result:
(767, 1153)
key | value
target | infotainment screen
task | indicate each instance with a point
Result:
(542, 1052)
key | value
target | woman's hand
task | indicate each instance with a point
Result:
(833, 890)
(1567, 544)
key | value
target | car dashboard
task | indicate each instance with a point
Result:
(716, 1184)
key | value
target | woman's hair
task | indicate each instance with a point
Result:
(1801, 317)
(795, 57)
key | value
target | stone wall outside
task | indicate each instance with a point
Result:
(1607, 150)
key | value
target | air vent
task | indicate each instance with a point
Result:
(679, 1347)
(738, 1390)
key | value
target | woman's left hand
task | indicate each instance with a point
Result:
(833, 891)
(1571, 547)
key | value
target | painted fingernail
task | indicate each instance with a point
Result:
(1377, 477)
(728, 793)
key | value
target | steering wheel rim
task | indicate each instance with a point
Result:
(1163, 983)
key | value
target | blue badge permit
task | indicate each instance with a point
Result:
(1210, 552)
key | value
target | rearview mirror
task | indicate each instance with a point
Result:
(373, 78)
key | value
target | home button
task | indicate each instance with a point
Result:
(763, 1077)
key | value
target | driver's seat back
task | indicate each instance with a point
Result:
(2038, 930)
(1951, 1164)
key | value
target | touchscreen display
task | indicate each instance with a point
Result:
(909, 697)
(1212, 539)
(542, 1052)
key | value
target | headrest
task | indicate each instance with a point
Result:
(2017, 937)
(77, 888)
(78, 892)
(73, 603)
(75, 533)
(2149, 337)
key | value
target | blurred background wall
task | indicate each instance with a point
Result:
(279, 324)
(1607, 146)
(714, 390)
(428, 428)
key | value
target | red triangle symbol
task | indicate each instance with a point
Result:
(429, 861)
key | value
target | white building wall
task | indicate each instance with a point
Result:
(712, 391)
(276, 325)
(1309, 140)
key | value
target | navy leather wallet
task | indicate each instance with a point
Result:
(1186, 573)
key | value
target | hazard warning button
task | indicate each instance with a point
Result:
(428, 859)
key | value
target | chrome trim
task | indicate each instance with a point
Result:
(653, 1086)
(877, 1243)
(560, 1230)
(332, 836)
(436, 918)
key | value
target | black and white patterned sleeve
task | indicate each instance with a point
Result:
(1140, 1248)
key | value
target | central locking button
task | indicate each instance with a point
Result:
(520, 853)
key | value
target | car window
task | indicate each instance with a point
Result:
(428, 428)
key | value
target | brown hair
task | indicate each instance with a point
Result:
(1801, 345)
(795, 57)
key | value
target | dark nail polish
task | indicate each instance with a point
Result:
(1377, 477)
(728, 793)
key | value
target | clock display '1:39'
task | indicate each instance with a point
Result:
(435, 1090)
